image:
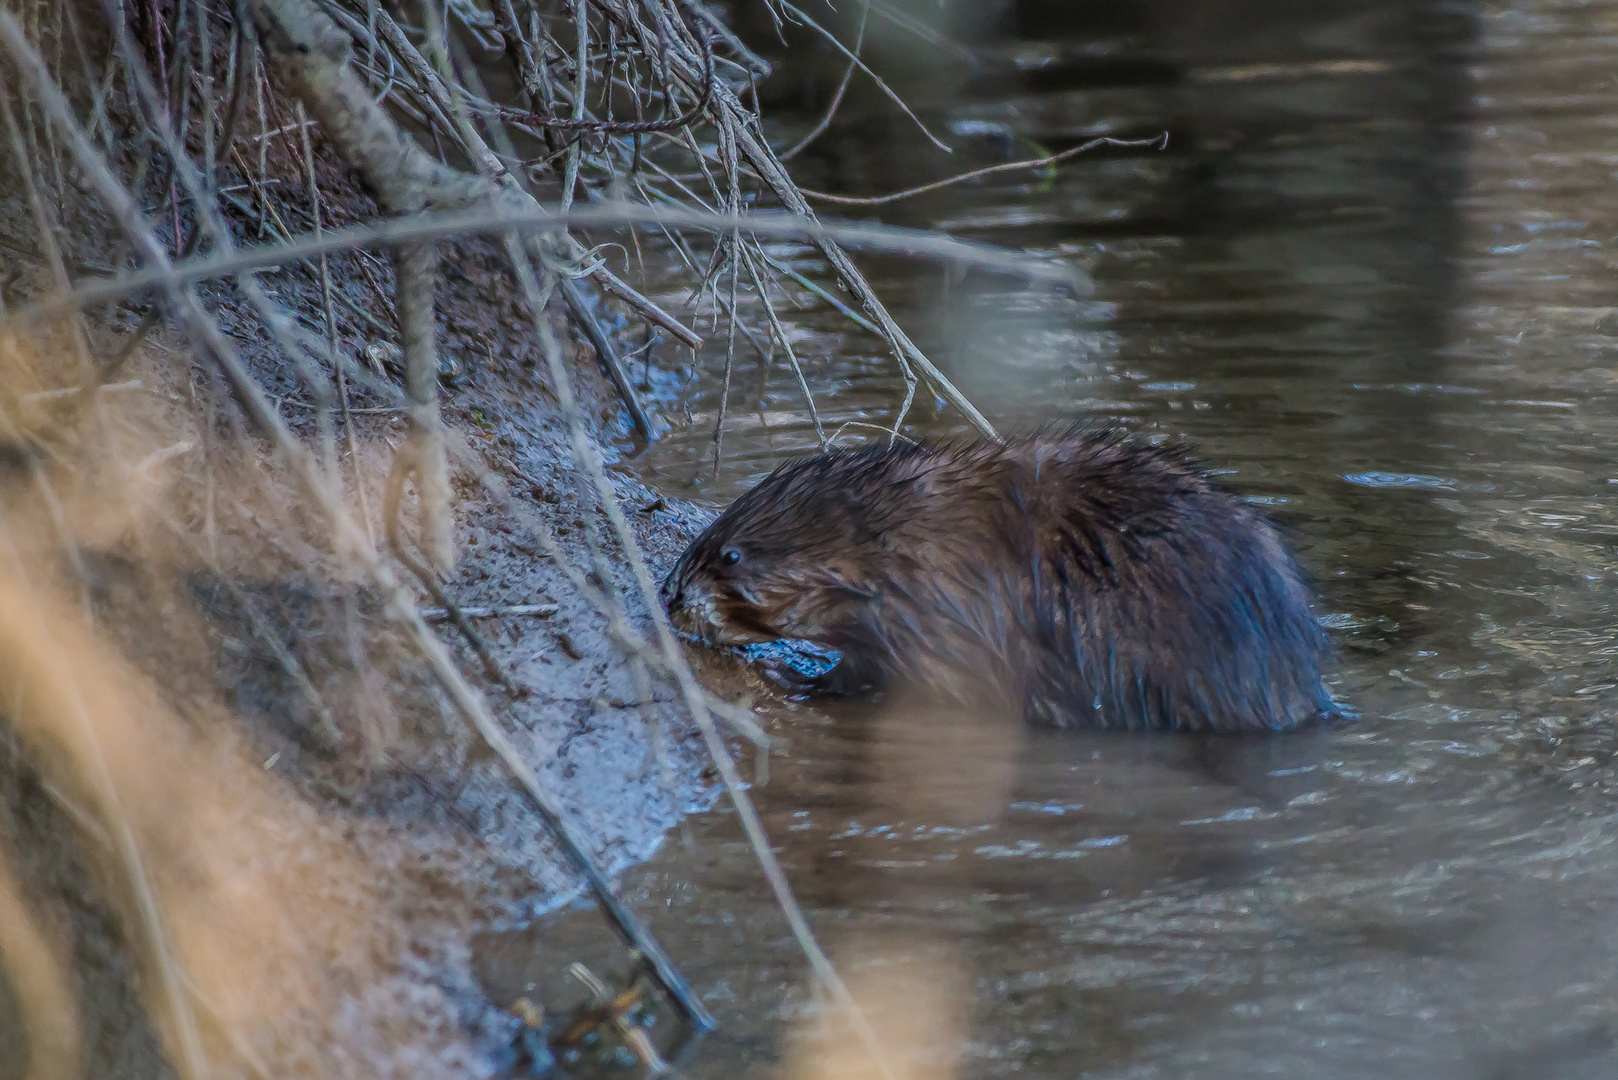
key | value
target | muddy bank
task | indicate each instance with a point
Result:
(306, 789)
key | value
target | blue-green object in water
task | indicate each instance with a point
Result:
(804, 657)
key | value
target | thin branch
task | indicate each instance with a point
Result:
(792, 357)
(608, 356)
(415, 274)
(842, 88)
(468, 703)
(618, 127)
(887, 239)
(307, 49)
(753, 147)
(855, 61)
(1160, 142)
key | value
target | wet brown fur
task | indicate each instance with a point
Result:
(1084, 578)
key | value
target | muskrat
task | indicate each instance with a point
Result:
(1083, 578)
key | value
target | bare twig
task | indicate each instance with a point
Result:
(1161, 142)
(415, 271)
(330, 316)
(855, 61)
(577, 122)
(465, 699)
(764, 162)
(842, 88)
(652, 47)
(646, 307)
(755, 63)
(786, 346)
(585, 453)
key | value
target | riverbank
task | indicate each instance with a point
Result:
(268, 674)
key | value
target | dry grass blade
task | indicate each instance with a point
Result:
(444, 225)
(34, 967)
(37, 670)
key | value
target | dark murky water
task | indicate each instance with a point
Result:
(1372, 277)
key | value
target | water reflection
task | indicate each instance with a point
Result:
(1371, 278)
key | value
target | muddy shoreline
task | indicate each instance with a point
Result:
(425, 832)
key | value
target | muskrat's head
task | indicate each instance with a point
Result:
(784, 561)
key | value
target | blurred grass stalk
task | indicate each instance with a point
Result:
(35, 968)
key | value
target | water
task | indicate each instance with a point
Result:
(1372, 278)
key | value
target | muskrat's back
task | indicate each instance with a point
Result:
(1086, 578)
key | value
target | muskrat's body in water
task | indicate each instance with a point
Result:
(1084, 578)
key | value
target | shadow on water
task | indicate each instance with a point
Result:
(1369, 279)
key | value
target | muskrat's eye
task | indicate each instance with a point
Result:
(730, 556)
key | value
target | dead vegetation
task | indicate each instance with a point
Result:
(232, 226)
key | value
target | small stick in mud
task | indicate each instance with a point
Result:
(406, 462)
(608, 356)
(610, 1009)
(538, 611)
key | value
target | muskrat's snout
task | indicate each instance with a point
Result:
(670, 595)
(702, 608)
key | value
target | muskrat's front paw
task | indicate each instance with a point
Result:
(801, 668)
(796, 683)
